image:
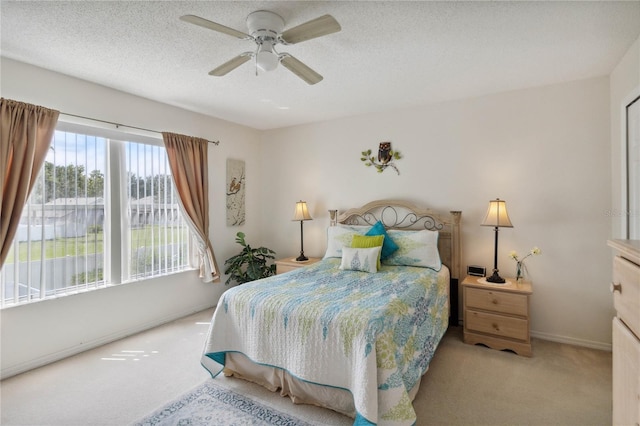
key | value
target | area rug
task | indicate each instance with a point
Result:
(211, 404)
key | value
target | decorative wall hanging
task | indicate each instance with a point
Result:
(385, 158)
(236, 182)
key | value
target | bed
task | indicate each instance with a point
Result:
(351, 333)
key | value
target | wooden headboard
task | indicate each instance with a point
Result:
(395, 214)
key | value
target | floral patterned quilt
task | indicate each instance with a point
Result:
(372, 334)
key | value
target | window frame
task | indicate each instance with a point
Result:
(115, 216)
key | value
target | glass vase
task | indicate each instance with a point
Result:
(519, 271)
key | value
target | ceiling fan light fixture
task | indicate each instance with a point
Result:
(266, 58)
(266, 30)
(267, 61)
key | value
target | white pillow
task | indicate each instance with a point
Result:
(360, 259)
(340, 236)
(415, 248)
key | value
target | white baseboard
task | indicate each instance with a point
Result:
(572, 341)
(57, 356)
(564, 339)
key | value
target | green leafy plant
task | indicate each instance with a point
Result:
(250, 264)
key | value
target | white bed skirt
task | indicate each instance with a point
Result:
(300, 392)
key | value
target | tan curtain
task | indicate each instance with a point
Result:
(26, 132)
(188, 160)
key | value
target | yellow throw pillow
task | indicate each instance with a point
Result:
(363, 241)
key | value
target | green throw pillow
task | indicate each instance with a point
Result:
(363, 241)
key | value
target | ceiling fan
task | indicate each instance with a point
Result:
(266, 30)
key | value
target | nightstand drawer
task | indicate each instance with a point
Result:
(497, 301)
(498, 325)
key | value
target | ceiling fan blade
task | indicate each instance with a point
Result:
(231, 65)
(196, 20)
(300, 69)
(315, 28)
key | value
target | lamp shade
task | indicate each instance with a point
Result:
(497, 215)
(301, 212)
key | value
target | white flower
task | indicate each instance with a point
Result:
(533, 251)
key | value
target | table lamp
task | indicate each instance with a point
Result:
(498, 218)
(301, 213)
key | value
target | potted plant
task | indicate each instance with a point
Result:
(250, 264)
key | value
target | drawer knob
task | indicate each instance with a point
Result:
(495, 327)
(494, 301)
(615, 287)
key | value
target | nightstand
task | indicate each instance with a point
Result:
(290, 263)
(497, 315)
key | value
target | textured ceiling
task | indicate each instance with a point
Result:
(389, 55)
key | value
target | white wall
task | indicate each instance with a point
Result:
(625, 87)
(543, 150)
(48, 330)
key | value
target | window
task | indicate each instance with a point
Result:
(102, 212)
(157, 232)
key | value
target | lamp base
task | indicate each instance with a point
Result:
(302, 258)
(495, 278)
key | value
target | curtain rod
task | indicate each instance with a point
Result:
(122, 125)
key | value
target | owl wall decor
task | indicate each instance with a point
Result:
(386, 155)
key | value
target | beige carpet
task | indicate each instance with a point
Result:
(465, 385)
(474, 385)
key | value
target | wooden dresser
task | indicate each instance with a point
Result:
(626, 332)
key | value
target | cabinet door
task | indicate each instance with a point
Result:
(626, 375)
